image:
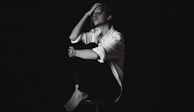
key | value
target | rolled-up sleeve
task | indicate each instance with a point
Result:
(109, 49)
(101, 53)
(76, 40)
(86, 37)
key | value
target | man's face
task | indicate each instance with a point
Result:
(99, 16)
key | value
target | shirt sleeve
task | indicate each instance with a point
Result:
(86, 37)
(101, 53)
(110, 49)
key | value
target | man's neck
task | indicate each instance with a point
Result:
(104, 28)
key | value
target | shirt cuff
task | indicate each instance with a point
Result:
(101, 52)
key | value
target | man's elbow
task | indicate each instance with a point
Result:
(72, 38)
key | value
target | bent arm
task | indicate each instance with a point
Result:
(76, 31)
(86, 54)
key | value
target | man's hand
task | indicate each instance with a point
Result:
(71, 51)
(93, 8)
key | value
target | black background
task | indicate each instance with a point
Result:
(35, 72)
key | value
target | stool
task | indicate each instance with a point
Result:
(96, 104)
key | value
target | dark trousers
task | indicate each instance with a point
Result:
(94, 78)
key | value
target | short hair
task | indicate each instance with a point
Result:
(106, 8)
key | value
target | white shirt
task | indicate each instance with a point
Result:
(110, 47)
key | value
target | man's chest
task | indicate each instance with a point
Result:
(100, 40)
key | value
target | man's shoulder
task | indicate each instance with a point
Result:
(116, 31)
(117, 35)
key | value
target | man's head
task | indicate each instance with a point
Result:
(101, 15)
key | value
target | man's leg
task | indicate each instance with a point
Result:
(83, 69)
(82, 74)
(93, 77)
(105, 86)
(95, 80)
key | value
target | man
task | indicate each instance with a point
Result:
(105, 82)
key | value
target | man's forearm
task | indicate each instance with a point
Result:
(77, 29)
(86, 54)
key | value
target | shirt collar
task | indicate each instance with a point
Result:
(109, 31)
